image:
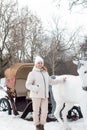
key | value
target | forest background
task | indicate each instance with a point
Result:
(23, 36)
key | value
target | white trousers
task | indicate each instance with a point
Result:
(40, 110)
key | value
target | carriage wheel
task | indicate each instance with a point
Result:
(5, 105)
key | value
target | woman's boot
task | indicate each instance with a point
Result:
(41, 127)
(37, 127)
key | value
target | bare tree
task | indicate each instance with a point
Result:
(77, 2)
(7, 15)
(61, 49)
(19, 36)
(35, 35)
(72, 3)
(25, 37)
(83, 48)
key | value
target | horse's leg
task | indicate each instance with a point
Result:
(57, 113)
(64, 115)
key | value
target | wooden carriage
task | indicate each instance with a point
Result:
(16, 77)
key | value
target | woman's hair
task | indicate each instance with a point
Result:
(44, 68)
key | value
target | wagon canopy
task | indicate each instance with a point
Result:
(18, 70)
(16, 76)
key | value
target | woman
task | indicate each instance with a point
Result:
(37, 82)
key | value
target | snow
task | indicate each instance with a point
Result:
(2, 81)
(2, 92)
(11, 122)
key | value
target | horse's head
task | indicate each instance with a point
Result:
(82, 70)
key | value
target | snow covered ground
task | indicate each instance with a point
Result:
(11, 122)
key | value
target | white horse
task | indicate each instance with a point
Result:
(71, 92)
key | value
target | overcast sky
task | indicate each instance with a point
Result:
(47, 10)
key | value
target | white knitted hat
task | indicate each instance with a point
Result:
(38, 59)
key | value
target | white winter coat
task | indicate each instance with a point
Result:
(38, 82)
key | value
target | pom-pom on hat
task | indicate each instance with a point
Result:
(38, 59)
